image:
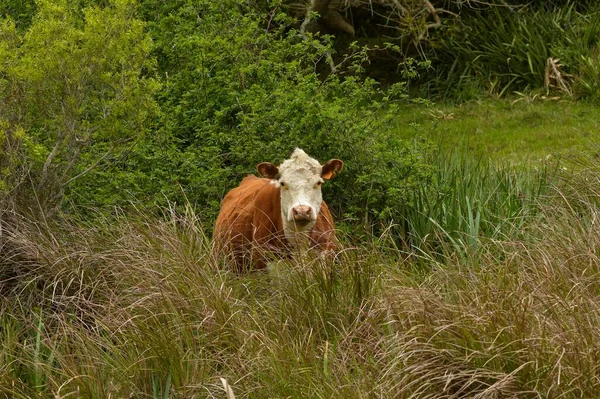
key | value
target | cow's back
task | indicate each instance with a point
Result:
(236, 207)
(245, 212)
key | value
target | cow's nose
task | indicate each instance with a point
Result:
(302, 213)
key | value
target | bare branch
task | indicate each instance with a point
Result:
(50, 158)
(94, 165)
(399, 6)
(334, 20)
(553, 73)
(431, 9)
(319, 6)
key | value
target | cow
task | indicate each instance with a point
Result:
(279, 213)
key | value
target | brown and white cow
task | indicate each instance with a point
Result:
(280, 213)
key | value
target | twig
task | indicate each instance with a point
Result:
(320, 8)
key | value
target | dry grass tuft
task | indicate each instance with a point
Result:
(135, 306)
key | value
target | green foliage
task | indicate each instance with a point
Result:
(241, 87)
(474, 199)
(76, 88)
(505, 49)
(587, 80)
(21, 11)
(135, 306)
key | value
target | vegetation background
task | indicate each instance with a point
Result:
(468, 206)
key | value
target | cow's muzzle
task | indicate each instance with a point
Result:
(303, 214)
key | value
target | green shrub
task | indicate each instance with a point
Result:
(75, 94)
(240, 86)
(21, 11)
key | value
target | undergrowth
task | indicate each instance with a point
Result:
(134, 306)
(544, 49)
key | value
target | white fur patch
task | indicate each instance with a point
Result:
(298, 180)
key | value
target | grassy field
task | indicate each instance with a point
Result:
(498, 299)
(518, 130)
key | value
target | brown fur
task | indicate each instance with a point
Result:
(249, 225)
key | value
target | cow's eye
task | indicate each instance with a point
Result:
(282, 184)
(318, 184)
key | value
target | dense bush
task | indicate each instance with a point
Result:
(476, 47)
(74, 96)
(134, 305)
(241, 87)
(21, 11)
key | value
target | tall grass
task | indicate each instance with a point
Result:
(474, 199)
(134, 307)
(503, 49)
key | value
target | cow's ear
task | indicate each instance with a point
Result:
(331, 168)
(266, 169)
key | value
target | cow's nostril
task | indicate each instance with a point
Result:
(302, 212)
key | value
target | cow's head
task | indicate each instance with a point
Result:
(299, 179)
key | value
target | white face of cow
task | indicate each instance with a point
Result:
(299, 179)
